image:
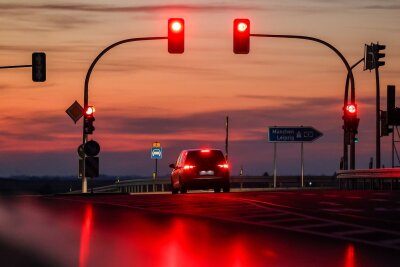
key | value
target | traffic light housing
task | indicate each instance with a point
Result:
(378, 55)
(369, 63)
(38, 67)
(373, 56)
(241, 36)
(350, 118)
(88, 127)
(176, 35)
(385, 129)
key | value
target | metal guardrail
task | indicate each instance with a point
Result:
(241, 182)
(387, 178)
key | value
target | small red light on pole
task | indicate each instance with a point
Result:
(351, 108)
(90, 111)
(176, 36)
(241, 36)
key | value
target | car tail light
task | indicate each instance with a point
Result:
(223, 166)
(188, 167)
(205, 151)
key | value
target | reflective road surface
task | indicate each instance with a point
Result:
(203, 229)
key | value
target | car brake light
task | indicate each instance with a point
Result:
(188, 167)
(224, 166)
(205, 151)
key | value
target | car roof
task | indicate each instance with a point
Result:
(200, 149)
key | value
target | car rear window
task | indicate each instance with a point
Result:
(205, 159)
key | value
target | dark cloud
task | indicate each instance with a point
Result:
(382, 7)
(131, 9)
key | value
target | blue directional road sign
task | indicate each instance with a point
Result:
(300, 134)
(156, 153)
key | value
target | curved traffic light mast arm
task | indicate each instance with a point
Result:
(349, 70)
(14, 67)
(86, 91)
(348, 78)
(86, 94)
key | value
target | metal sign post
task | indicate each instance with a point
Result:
(302, 165)
(274, 165)
(297, 134)
(156, 153)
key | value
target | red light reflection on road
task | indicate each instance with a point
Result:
(349, 260)
(85, 235)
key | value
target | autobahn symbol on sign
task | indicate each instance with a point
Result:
(299, 134)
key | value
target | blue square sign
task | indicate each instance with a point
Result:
(156, 153)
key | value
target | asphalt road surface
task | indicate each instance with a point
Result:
(278, 228)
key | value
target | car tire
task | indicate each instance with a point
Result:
(183, 190)
(174, 191)
(182, 187)
(217, 189)
(226, 189)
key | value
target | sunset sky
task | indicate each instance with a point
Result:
(144, 94)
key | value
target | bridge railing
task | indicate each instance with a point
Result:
(385, 178)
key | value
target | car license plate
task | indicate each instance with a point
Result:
(206, 172)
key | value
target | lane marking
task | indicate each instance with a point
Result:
(330, 203)
(380, 199)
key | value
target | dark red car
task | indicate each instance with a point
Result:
(200, 169)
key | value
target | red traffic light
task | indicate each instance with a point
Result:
(241, 36)
(90, 110)
(176, 36)
(352, 109)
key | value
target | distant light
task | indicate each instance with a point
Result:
(351, 108)
(356, 140)
(176, 26)
(242, 27)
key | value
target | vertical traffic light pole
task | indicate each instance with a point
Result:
(352, 137)
(86, 90)
(372, 56)
(226, 137)
(378, 120)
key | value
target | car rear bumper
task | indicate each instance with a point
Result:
(205, 182)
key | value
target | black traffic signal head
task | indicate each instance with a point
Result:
(241, 36)
(377, 55)
(38, 67)
(369, 62)
(176, 36)
(88, 127)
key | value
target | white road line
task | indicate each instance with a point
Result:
(343, 210)
(391, 241)
(354, 197)
(330, 203)
(288, 220)
(380, 199)
(316, 225)
(353, 232)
